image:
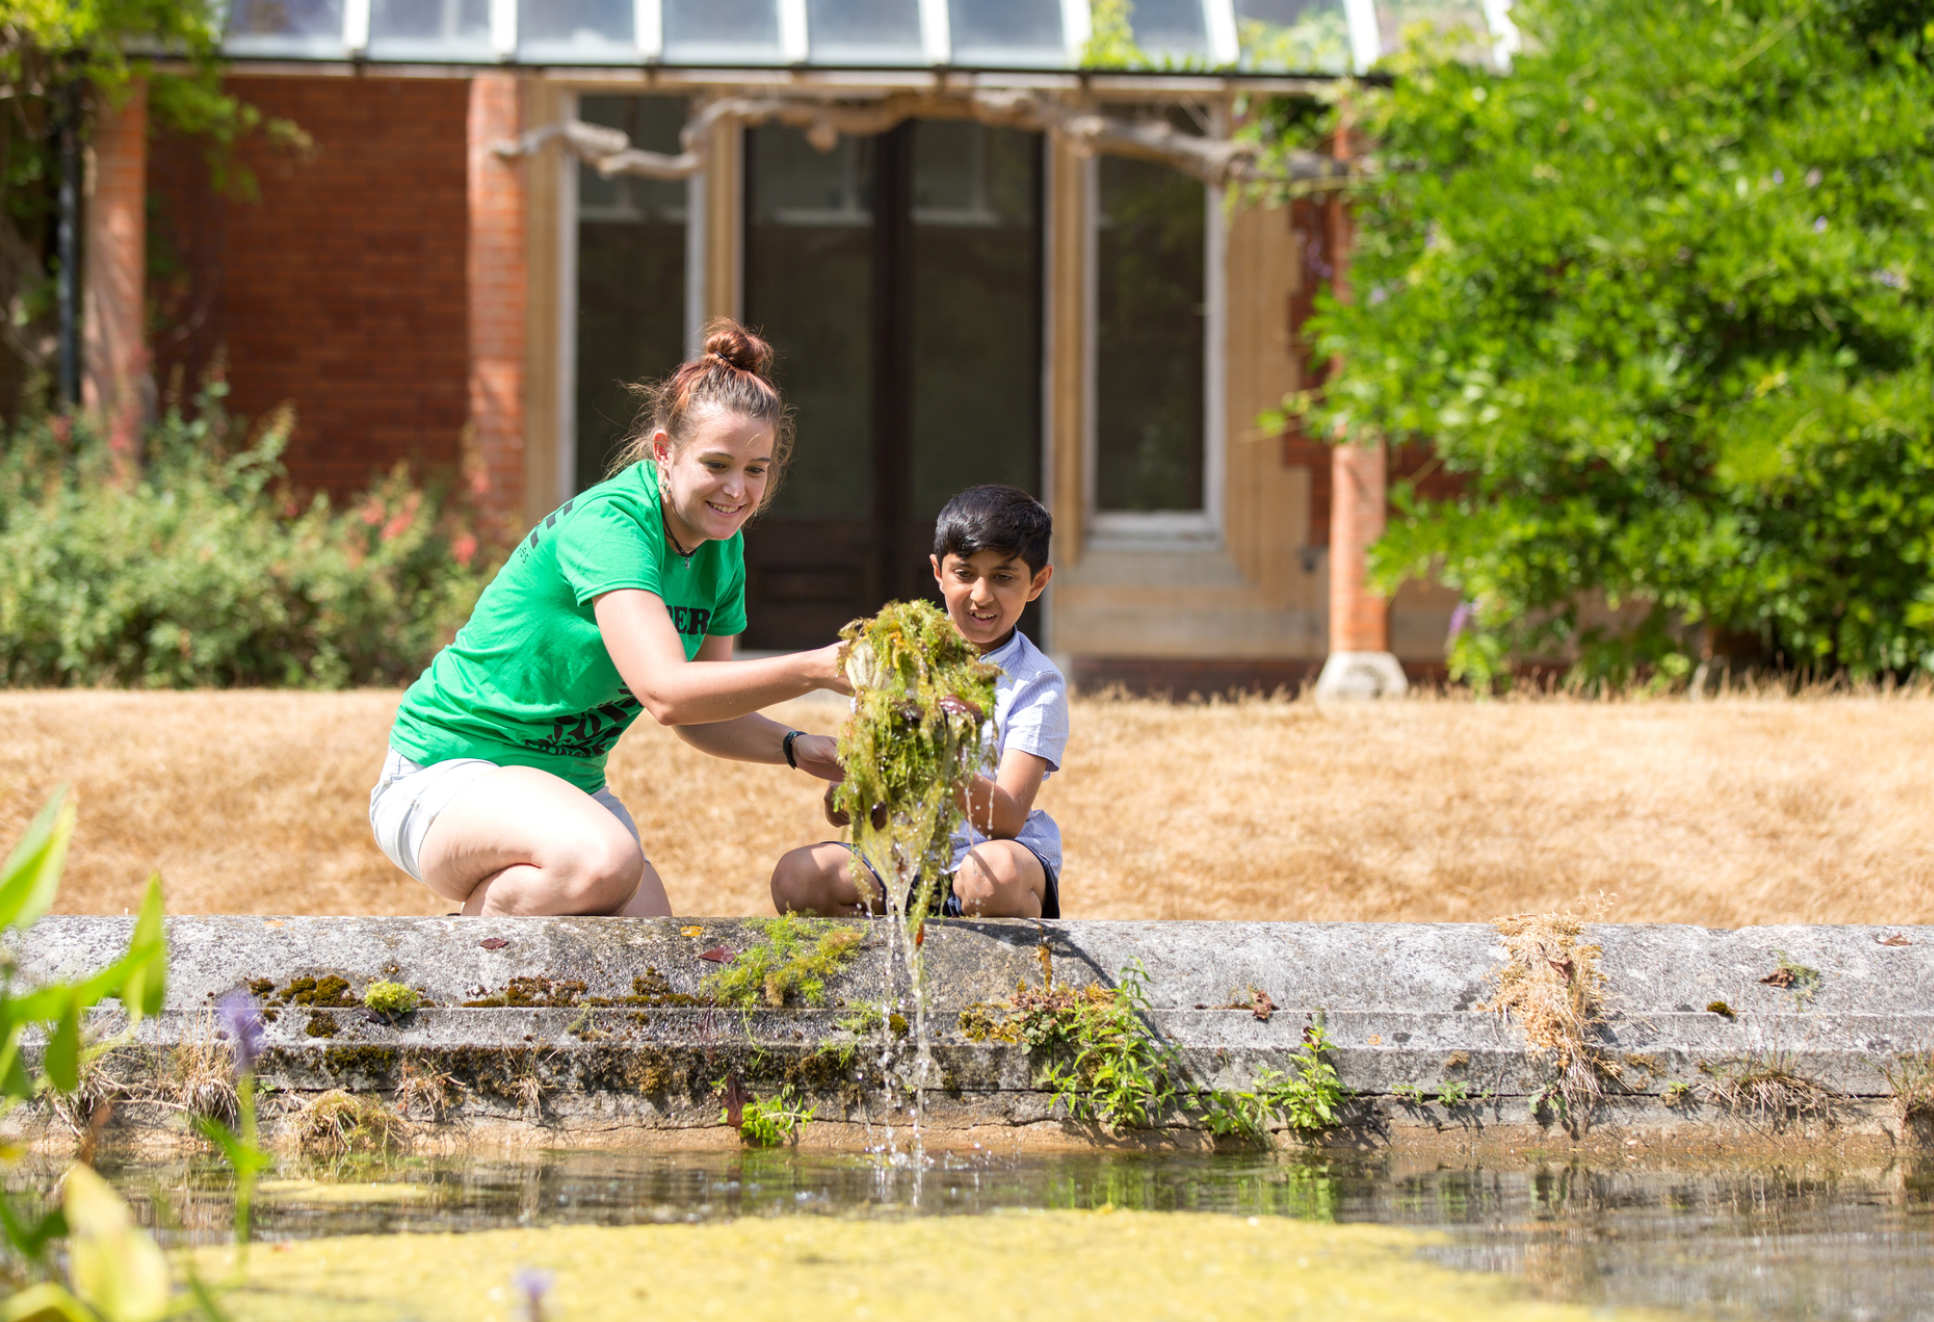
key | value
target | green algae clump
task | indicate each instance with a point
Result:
(394, 999)
(789, 964)
(922, 698)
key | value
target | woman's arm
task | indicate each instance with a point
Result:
(998, 807)
(756, 738)
(650, 657)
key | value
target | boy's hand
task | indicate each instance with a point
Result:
(838, 818)
(818, 755)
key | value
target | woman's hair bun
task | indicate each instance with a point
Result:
(738, 346)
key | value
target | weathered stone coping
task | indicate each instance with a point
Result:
(1400, 1002)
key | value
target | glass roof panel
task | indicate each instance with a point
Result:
(865, 32)
(1461, 19)
(284, 27)
(1009, 33)
(724, 32)
(429, 29)
(1294, 36)
(1170, 29)
(576, 32)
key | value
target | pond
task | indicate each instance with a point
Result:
(807, 1234)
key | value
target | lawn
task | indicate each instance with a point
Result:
(1725, 812)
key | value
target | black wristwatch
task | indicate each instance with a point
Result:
(792, 759)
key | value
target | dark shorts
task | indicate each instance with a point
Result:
(950, 903)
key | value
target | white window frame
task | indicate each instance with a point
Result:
(1160, 527)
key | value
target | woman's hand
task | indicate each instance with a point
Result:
(826, 668)
(818, 755)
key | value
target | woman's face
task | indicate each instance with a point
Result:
(712, 483)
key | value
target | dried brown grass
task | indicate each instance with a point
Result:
(1738, 810)
(1550, 987)
(339, 1124)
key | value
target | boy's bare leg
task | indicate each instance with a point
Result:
(820, 879)
(1000, 879)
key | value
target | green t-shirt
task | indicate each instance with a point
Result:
(528, 681)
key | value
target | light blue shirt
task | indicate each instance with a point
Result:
(1030, 714)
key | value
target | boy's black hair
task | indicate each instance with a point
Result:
(994, 518)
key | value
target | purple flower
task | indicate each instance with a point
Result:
(1779, 176)
(1460, 620)
(1892, 279)
(241, 1022)
(532, 1284)
(1819, 224)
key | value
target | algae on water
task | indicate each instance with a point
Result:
(917, 735)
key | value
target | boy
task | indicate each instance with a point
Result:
(990, 559)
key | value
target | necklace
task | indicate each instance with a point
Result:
(672, 541)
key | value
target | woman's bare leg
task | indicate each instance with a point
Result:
(522, 841)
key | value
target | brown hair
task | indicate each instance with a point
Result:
(733, 375)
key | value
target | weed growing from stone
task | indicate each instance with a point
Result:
(1796, 978)
(1305, 1099)
(769, 1123)
(1765, 1089)
(203, 1077)
(921, 696)
(422, 1085)
(1910, 1077)
(339, 1124)
(1551, 987)
(1094, 1050)
(789, 965)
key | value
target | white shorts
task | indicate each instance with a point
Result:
(409, 796)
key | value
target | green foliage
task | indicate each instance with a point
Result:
(52, 51)
(394, 999)
(203, 570)
(1111, 40)
(1661, 299)
(921, 704)
(1305, 1099)
(1094, 1048)
(789, 965)
(87, 1259)
(769, 1123)
(1098, 1056)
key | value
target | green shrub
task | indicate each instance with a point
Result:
(204, 570)
(1662, 297)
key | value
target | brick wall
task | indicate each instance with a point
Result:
(341, 290)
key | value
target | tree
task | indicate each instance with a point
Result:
(1661, 297)
(59, 61)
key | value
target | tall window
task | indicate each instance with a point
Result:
(630, 278)
(1151, 339)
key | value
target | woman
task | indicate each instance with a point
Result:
(626, 599)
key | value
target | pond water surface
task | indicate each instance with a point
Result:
(810, 1234)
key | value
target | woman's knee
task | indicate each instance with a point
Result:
(595, 871)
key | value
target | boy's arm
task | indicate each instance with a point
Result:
(998, 807)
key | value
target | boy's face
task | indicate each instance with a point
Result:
(986, 592)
